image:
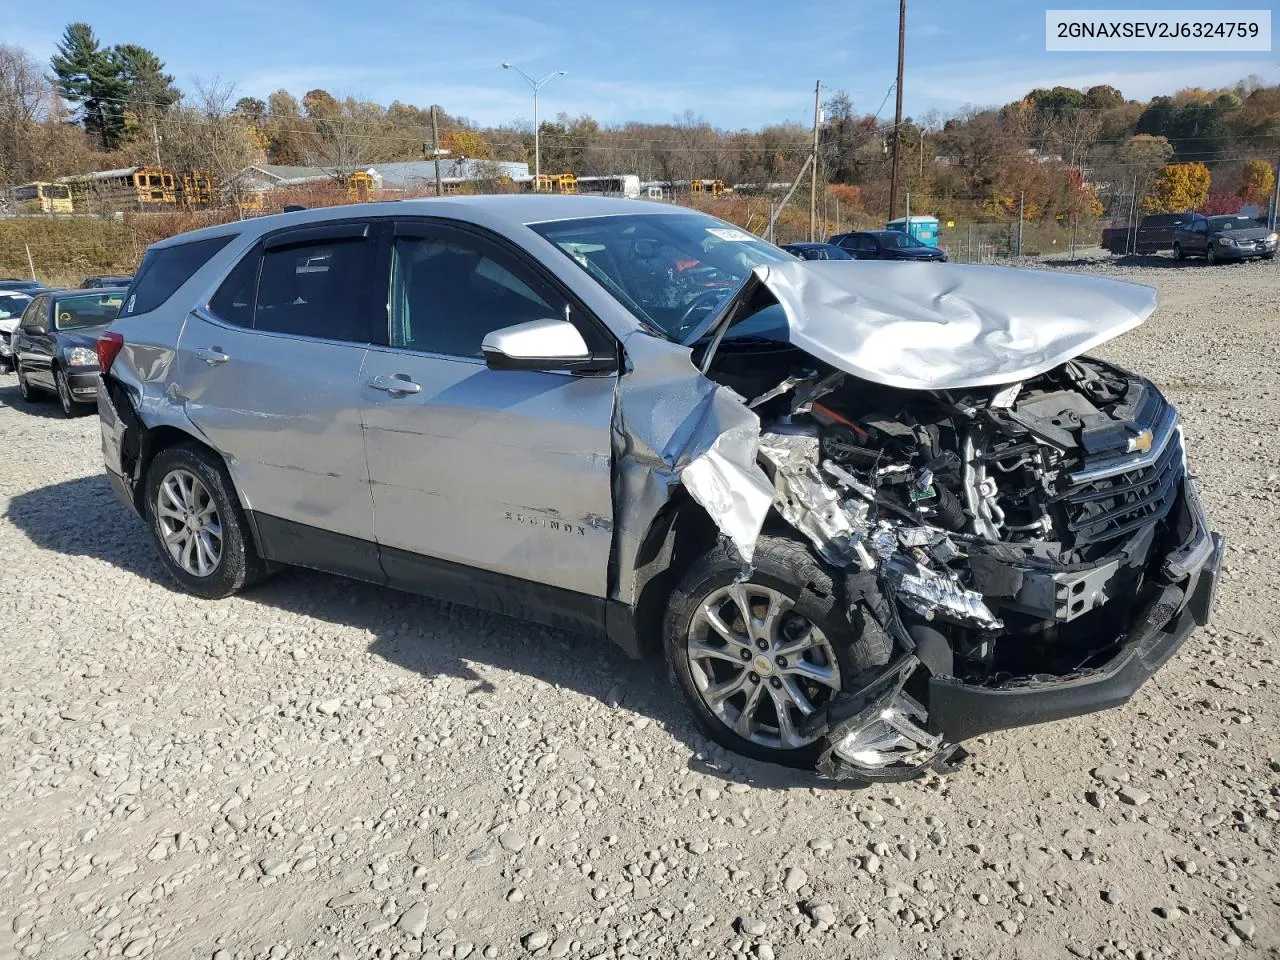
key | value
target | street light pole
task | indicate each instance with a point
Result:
(537, 144)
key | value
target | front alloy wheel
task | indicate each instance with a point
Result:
(761, 668)
(64, 394)
(187, 517)
(756, 659)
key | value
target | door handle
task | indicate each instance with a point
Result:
(211, 355)
(397, 384)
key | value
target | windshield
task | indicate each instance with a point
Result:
(1230, 223)
(12, 305)
(671, 270)
(94, 310)
(893, 240)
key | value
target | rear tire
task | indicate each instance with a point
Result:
(195, 519)
(29, 393)
(702, 657)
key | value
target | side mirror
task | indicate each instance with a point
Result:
(540, 345)
(36, 327)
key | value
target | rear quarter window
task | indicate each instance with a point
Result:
(164, 270)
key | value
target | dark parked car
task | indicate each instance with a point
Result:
(1153, 234)
(818, 251)
(1223, 238)
(94, 283)
(55, 345)
(13, 283)
(887, 245)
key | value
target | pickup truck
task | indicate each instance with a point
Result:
(1223, 238)
(1153, 234)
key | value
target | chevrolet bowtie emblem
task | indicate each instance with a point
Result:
(1141, 443)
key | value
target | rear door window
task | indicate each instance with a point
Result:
(165, 269)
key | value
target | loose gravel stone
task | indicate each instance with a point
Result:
(535, 940)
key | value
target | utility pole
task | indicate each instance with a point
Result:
(1275, 197)
(155, 138)
(435, 148)
(897, 113)
(1022, 197)
(774, 210)
(813, 163)
(1132, 231)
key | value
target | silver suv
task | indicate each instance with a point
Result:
(869, 510)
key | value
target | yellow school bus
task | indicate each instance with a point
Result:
(41, 197)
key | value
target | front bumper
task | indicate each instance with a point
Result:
(1245, 253)
(1169, 612)
(83, 384)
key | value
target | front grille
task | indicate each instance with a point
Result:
(1113, 506)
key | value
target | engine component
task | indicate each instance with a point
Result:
(811, 506)
(930, 593)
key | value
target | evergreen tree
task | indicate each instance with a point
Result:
(150, 89)
(87, 78)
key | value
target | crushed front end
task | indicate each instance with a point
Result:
(1035, 550)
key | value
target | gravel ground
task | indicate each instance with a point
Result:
(322, 768)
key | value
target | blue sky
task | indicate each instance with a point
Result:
(737, 64)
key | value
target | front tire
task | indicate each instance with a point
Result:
(1211, 257)
(197, 524)
(64, 394)
(755, 659)
(1177, 252)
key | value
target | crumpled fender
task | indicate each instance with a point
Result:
(673, 426)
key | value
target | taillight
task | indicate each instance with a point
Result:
(109, 346)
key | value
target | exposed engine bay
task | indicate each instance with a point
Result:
(999, 535)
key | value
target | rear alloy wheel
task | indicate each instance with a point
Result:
(28, 393)
(756, 659)
(189, 523)
(64, 394)
(197, 523)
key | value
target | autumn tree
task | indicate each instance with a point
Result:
(1103, 97)
(25, 98)
(1258, 180)
(1217, 204)
(207, 133)
(1179, 186)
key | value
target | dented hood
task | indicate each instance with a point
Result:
(932, 326)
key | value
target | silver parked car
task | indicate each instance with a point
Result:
(869, 510)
